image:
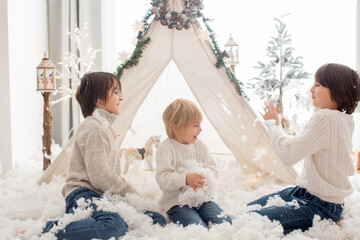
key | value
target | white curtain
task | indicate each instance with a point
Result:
(356, 136)
(64, 17)
(5, 121)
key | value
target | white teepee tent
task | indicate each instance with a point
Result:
(229, 112)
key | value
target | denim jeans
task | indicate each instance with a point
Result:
(101, 225)
(298, 217)
(208, 212)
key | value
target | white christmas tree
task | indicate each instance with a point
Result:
(281, 70)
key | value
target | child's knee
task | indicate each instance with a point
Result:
(116, 228)
(157, 218)
(187, 220)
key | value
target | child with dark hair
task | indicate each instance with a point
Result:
(94, 165)
(325, 144)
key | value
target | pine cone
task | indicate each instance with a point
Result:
(163, 11)
(175, 18)
(163, 22)
(140, 35)
(225, 54)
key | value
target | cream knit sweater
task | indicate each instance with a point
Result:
(325, 144)
(170, 156)
(94, 161)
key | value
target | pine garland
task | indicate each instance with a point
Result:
(139, 49)
(134, 60)
(141, 45)
(220, 60)
(146, 21)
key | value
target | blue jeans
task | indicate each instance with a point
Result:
(101, 225)
(203, 215)
(291, 217)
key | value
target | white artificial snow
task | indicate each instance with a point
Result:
(25, 205)
(194, 199)
(278, 201)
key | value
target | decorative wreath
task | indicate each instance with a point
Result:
(172, 19)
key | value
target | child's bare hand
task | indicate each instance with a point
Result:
(195, 181)
(271, 113)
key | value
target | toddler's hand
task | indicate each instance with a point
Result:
(195, 181)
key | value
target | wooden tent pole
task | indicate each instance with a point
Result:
(47, 131)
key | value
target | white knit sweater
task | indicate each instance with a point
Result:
(94, 161)
(325, 143)
(170, 156)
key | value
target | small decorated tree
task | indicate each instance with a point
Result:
(281, 69)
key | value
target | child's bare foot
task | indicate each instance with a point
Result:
(338, 222)
(358, 163)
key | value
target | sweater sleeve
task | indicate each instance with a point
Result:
(291, 149)
(166, 175)
(95, 149)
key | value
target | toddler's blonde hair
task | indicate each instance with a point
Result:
(180, 114)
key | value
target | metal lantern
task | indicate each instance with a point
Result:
(46, 84)
(46, 75)
(231, 48)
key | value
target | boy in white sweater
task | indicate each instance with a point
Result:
(182, 122)
(325, 144)
(94, 165)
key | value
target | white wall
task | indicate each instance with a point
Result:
(5, 121)
(27, 24)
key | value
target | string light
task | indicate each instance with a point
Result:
(75, 65)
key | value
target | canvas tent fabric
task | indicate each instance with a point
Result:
(229, 113)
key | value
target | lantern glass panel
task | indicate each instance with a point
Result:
(233, 54)
(50, 84)
(40, 78)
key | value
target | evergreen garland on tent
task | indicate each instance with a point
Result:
(179, 21)
(140, 46)
(220, 60)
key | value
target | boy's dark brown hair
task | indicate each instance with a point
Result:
(94, 86)
(343, 83)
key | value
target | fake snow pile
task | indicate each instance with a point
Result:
(194, 199)
(24, 205)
